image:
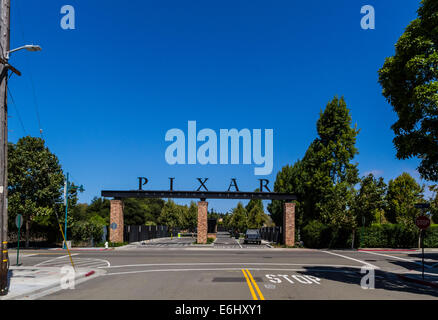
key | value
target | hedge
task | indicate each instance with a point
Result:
(317, 235)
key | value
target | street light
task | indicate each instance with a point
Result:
(28, 47)
(4, 66)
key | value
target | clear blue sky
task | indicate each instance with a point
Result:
(107, 92)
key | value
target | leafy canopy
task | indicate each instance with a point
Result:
(410, 84)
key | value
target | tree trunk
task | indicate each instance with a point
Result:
(352, 239)
(27, 232)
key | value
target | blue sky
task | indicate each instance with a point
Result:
(107, 92)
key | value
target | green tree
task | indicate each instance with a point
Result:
(403, 193)
(190, 216)
(324, 179)
(370, 201)
(35, 183)
(171, 215)
(326, 169)
(141, 211)
(288, 180)
(101, 207)
(256, 216)
(409, 82)
(239, 219)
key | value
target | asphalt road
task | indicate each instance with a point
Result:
(237, 272)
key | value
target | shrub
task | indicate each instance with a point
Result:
(431, 238)
(85, 230)
(315, 235)
(389, 236)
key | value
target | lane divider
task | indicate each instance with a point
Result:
(248, 282)
(255, 285)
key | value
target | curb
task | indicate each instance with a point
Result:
(418, 281)
(85, 249)
(394, 250)
(31, 293)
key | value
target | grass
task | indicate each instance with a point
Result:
(112, 244)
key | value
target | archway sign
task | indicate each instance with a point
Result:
(202, 193)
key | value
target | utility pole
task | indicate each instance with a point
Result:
(66, 189)
(4, 50)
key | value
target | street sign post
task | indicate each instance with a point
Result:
(422, 223)
(422, 205)
(18, 223)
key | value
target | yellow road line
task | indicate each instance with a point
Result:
(255, 285)
(249, 285)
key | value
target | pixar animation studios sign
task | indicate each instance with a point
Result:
(208, 152)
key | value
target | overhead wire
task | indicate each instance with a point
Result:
(32, 83)
(17, 111)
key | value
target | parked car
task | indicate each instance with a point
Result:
(252, 235)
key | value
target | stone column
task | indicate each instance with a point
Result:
(116, 217)
(289, 224)
(202, 222)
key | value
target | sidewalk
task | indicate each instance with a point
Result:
(27, 283)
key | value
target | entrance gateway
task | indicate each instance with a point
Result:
(116, 209)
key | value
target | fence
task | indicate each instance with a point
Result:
(140, 233)
(272, 234)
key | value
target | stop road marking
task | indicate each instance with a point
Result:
(279, 278)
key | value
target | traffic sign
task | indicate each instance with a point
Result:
(19, 220)
(422, 205)
(422, 222)
(113, 225)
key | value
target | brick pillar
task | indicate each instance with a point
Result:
(202, 221)
(289, 224)
(116, 216)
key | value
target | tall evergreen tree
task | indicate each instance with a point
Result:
(324, 179)
(327, 171)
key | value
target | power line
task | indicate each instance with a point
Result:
(32, 84)
(16, 110)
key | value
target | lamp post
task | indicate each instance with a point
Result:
(67, 188)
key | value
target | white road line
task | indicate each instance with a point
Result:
(44, 262)
(349, 258)
(232, 263)
(222, 269)
(238, 242)
(398, 258)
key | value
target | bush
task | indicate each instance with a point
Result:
(85, 230)
(112, 244)
(431, 238)
(315, 235)
(318, 235)
(397, 236)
